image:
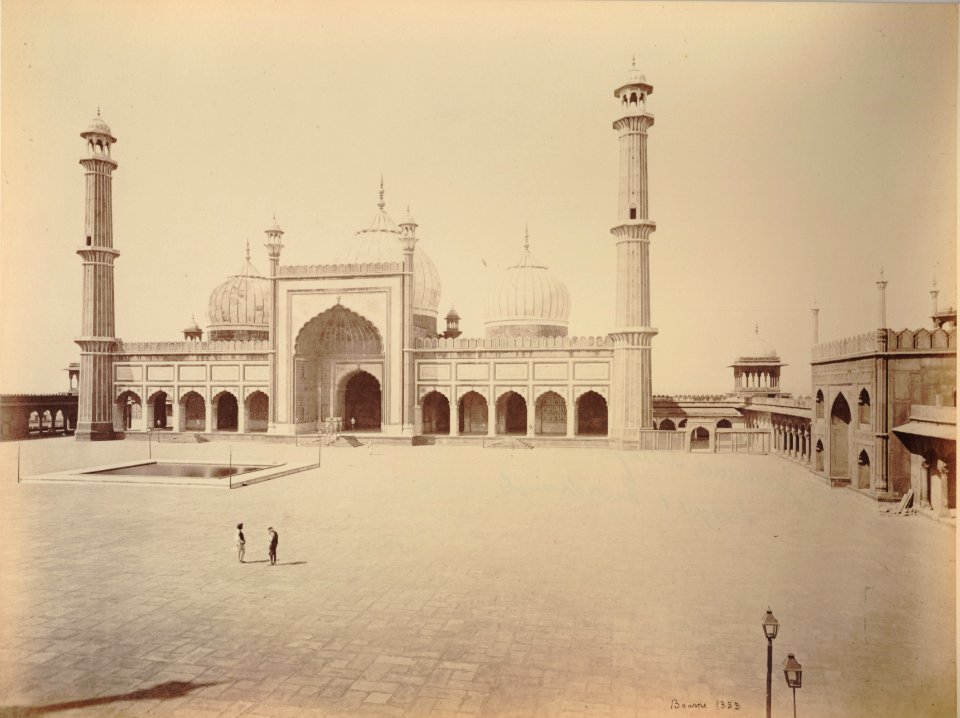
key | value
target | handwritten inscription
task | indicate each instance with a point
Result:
(721, 705)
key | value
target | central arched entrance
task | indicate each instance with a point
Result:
(362, 403)
(327, 348)
(840, 438)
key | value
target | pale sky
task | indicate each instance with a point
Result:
(797, 148)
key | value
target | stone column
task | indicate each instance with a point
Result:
(242, 416)
(944, 488)
(492, 417)
(207, 415)
(454, 413)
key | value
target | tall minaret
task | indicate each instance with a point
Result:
(97, 342)
(408, 244)
(632, 392)
(815, 310)
(274, 245)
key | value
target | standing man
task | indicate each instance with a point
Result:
(274, 539)
(241, 543)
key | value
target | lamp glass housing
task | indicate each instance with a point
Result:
(770, 626)
(792, 671)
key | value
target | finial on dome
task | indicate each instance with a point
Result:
(526, 237)
(98, 110)
(381, 204)
(756, 329)
(248, 250)
(633, 61)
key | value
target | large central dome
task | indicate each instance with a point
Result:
(380, 242)
(527, 300)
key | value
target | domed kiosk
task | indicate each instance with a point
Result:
(757, 371)
(527, 300)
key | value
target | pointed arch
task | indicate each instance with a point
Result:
(193, 412)
(435, 413)
(863, 470)
(550, 415)
(360, 396)
(128, 412)
(473, 413)
(159, 410)
(591, 410)
(724, 424)
(256, 412)
(667, 425)
(819, 452)
(511, 414)
(863, 407)
(840, 437)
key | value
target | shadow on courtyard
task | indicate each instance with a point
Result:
(161, 691)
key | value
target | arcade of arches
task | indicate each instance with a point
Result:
(511, 415)
(192, 413)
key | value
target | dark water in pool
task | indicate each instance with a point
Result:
(194, 471)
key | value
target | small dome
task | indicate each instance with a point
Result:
(380, 242)
(242, 303)
(98, 125)
(193, 326)
(528, 295)
(452, 314)
(759, 348)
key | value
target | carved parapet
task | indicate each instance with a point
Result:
(922, 340)
(319, 270)
(905, 340)
(494, 343)
(193, 347)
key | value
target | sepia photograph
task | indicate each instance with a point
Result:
(478, 359)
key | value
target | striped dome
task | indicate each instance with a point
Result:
(242, 303)
(527, 294)
(380, 242)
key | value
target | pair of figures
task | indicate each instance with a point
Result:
(242, 544)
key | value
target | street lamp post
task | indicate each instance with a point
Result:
(793, 673)
(770, 627)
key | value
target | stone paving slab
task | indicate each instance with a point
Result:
(457, 581)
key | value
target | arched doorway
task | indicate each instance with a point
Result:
(668, 425)
(511, 414)
(819, 455)
(157, 410)
(331, 339)
(839, 438)
(128, 414)
(863, 470)
(473, 413)
(591, 414)
(225, 412)
(193, 412)
(699, 439)
(435, 413)
(362, 403)
(550, 415)
(257, 409)
(724, 424)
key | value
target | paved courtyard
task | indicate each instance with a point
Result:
(460, 581)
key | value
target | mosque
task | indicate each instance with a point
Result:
(353, 343)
